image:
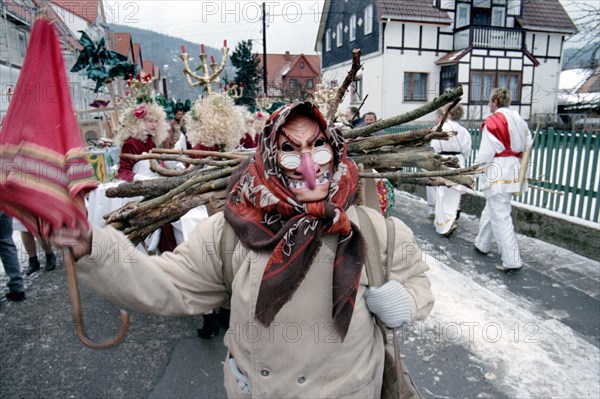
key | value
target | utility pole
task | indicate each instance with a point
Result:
(264, 21)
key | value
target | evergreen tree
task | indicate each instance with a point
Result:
(247, 73)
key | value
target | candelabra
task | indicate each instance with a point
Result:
(324, 97)
(264, 103)
(138, 89)
(209, 78)
(234, 90)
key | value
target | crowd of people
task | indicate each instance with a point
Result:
(292, 208)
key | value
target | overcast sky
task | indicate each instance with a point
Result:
(292, 25)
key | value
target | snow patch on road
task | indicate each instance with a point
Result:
(531, 356)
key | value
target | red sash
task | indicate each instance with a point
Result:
(497, 125)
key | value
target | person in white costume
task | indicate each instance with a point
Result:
(505, 136)
(447, 199)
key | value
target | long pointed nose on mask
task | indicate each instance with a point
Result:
(308, 169)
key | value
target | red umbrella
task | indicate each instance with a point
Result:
(44, 173)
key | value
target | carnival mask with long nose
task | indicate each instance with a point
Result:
(306, 158)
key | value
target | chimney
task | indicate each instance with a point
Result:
(288, 56)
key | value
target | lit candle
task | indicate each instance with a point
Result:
(212, 59)
(202, 48)
(183, 49)
(225, 43)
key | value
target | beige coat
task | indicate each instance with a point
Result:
(299, 354)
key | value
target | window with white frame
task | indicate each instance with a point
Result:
(352, 32)
(415, 86)
(498, 16)
(369, 19)
(339, 34)
(356, 91)
(462, 15)
(483, 82)
(22, 43)
(448, 78)
(310, 84)
(514, 7)
(293, 83)
(328, 40)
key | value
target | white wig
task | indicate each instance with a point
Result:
(132, 123)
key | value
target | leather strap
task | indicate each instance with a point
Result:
(226, 249)
(375, 273)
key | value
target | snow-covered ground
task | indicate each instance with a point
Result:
(519, 343)
(528, 353)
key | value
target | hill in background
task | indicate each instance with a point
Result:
(164, 51)
(581, 57)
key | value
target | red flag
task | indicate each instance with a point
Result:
(44, 173)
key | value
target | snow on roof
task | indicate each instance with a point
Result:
(586, 100)
(572, 79)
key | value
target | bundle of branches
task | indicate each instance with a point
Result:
(383, 156)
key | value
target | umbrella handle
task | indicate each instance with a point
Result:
(75, 300)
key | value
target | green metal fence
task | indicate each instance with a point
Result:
(564, 171)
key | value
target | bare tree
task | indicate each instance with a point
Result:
(586, 16)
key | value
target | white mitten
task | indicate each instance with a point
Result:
(390, 302)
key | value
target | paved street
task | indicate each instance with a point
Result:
(533, 334)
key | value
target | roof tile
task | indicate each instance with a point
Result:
(412, 9)
(546, 14)
(279, 64)
(86, 9)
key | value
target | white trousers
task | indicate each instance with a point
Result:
(496, 222)
(430, 191)
(447, 201)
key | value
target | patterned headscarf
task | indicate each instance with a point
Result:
(266, 217)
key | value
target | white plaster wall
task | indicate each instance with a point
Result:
(394, 66)
(393, 36)
(9, 77)
(411, 35)
(373, 86)
(555, 46)
(372, 78)
(73, 22)
(545, 87)
(541, 42)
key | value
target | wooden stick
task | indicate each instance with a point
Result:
(209, 180)
(182, 158)
(409, 138)
(216, 154)
(546, 190)
(350, 77)
(439, 127)
(523, 164)
(474, 169)
(407, 116)
(75, 299)
(166, 172)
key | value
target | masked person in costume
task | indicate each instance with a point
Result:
(504, 137)
(298, 262)
(141, 129)
(447, 199)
